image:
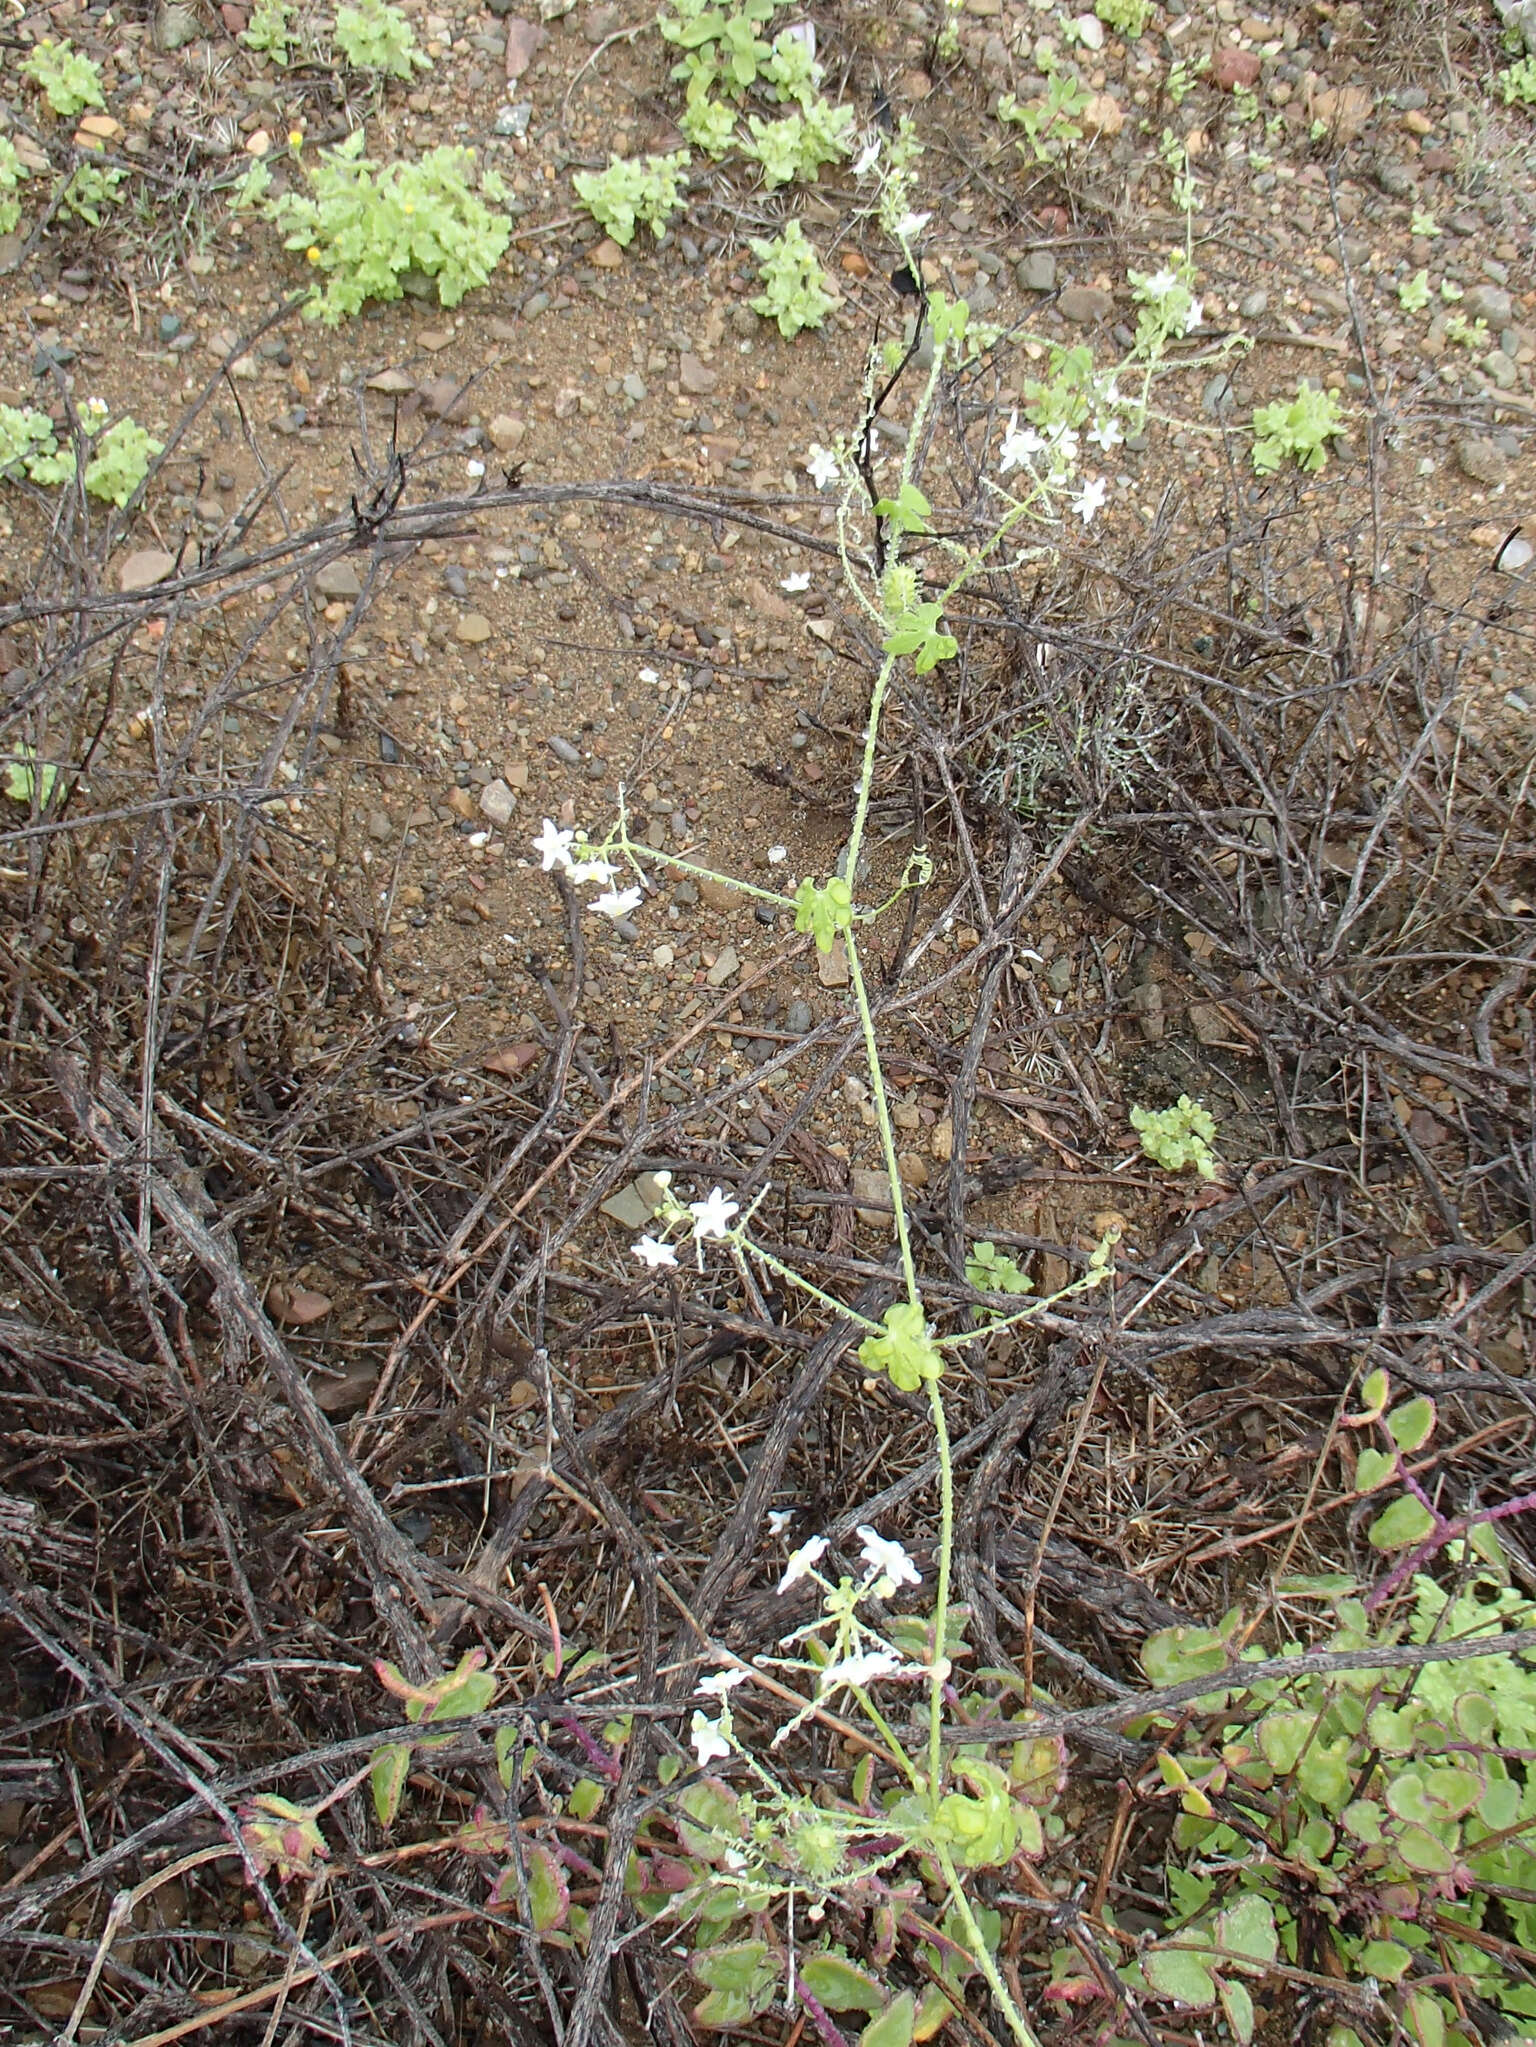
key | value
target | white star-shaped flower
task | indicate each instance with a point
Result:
(721, 1682)
(867, 157)
(803, 1561)
(617, 903)
(821, 466)
(910, 225)
(650, 1251)
(554, 846)
(1089, 499)
(1107, 433)
(1062, 442)
(1019, 443)
(888, 1561)
(1160, 283)
(593, 870)
(858, 1670)
(1194, 316)
(796, 581)
(779, 1519)
(712, 1216)
(709, 1744)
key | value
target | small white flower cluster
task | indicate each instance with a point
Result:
(567, 851)
(708, 1220)
(860, 1658)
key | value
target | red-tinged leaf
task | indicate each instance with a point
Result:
(387, 1774)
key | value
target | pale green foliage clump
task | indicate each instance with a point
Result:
(1178, 1137)
(1413, 293)
(120, 461)
(1298, 428)
(29, 447)
(1517, 83)
(70, 82)
(12, 172)
(634, 190)
(373, 36)
(1127, 18)
(365, 229)
(794, 293)
(270, 29)
(797, 145)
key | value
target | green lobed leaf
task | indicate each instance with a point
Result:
(1181, 1973)
(838, 1983)
(1412, 1424)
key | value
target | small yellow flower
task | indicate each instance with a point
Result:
(312, 253)
(295, 138)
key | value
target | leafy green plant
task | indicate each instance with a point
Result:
(794, 293)
(1466, 333)
(1178, 1137)
(366, 229)
(720, 49)
(797, 145)
(992, 1271)
(24, 778)
(91, 191)
(12, 172)
(633, 190)
(1127, 18)
(270, 29)
(1362, 1821)
(1413, 292)
(120, 461)
(1245, 104)
(373, 36)
(29, 447)
(1517, 82)
(1179, 83)
(1297, 429)
(709, 125)
(1050, 123)
(69, 80)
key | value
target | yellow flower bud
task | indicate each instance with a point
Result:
(312, 253)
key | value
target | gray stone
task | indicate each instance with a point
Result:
(497, 802)
(563, 750)
(1396, 180)
(338, 579)
(874, 1189)
(1500, 370)
(1488, 302)
(634, 387)
(629, 1208)
(1085, 305)
(176, 25)
(696, 379)
(1482, 461)
(381, 826)
(1254, 304)
(727, 966)
(798, 1019)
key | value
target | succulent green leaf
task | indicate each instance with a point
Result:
(1412, 1424)
(894, 2026)
(388, 1770)
(1404, 1523)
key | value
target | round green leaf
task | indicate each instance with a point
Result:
(1405, 1522)
(1373, 1468)
(1247, 1929)
(838, 1984)
(1384, 1959)
(1180, 1973)
(1238, 2006)
(1412, 1424)
(1174, 1654)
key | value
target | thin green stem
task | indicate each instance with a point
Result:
(984, 1958)
(939, 1676)
(899, 1755)
(841, 1309)
(883, 1118)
